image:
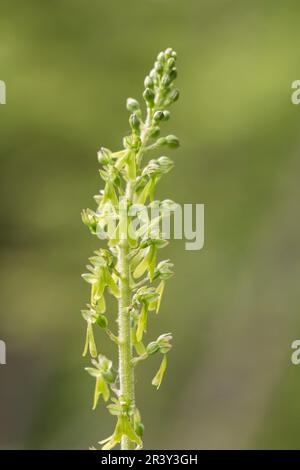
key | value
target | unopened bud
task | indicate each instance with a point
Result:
(158, 116)
(165, 164)
(161, 57)
(161, 116)
(171, 63)
(102, 321)
(154, 131)
(166, 80)
(166, 115)
(152, 168)
(134, 122)
(104, 156)
(172, 141)
(168, 52)
(158, 67)
(173, 74)
(132, 104)
(152, 348)
(148, 82)
(173, 96)
(161, 141)
(152, 74)
(139, 429)
(149, 96)
(163, 342)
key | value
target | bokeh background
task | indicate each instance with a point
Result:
(233, 307)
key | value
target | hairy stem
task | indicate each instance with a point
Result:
(126, 367)
(126, 373)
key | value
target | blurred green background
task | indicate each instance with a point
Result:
(233, 307)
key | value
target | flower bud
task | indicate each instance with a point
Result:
(148, 82)
(149, 96)
(89, 219)
(161, 57)
(166, 115)
(104, 156)
(154, 131)
(158, 67)
(168, 52)
(166, 80)
(161, 141)
(102, 321)
(152, 74)
(173, 74)
(132, 105)
(172, 141)
(164, 270)
(152, 168)
(173, 96)
(158, 116)
(134, 122)
(152, 348)
(163, 342)
(139, 429)
(171, 63)
(161, 116)
(165, 164)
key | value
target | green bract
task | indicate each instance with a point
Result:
(128, 268)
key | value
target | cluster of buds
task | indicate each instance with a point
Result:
(159, 94)
(128, 268)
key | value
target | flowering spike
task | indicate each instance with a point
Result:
(128, 268)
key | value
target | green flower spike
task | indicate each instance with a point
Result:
(128, 268)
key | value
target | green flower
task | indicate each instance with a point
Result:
(89, 218)
(102, 371)
(164, 270)
(162, 344)
(91, 317)
(148, 261)
(160, 373)
(145, 296)
(123, 428)
(100, 277)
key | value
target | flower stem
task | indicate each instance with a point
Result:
(126, 368)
